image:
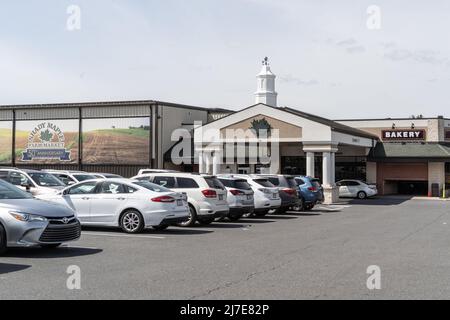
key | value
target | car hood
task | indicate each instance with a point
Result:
(37, 207)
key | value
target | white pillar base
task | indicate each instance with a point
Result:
(330, 195)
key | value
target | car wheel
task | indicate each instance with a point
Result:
(261, 213)
(309, 207)
(132, 222)
(160, 228)
(235, 217)
(2, 240)
(50, 246)
(300, 206)
(362, 195)
(192, 218)
(206, 221)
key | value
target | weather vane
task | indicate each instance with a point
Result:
(265, 61)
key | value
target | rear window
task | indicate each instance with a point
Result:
(214, 183)
(168, 182)
(292, 183)
(237, 184)
(84, 177)
(274, 181)
(187, 183)
(264, 183)
(315, 183)
(151, 186)
(300, 182)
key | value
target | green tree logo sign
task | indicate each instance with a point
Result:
(46, 136)
(261, 124)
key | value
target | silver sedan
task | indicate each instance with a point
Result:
(26, 221)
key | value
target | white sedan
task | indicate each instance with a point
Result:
(130, 204)
(356, 189)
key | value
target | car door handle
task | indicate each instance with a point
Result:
(121, 199)
(85, 198)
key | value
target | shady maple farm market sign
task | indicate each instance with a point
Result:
(404, 135)
(46, 142)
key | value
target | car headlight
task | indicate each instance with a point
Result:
(26, 217)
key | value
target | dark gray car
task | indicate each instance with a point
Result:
(288, 190)
(27, 222)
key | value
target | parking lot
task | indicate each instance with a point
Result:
(322, 254)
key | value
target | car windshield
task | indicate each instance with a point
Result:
(8, 191)
(151, 186)
(46, 179)
(84, 177)
(264, 183)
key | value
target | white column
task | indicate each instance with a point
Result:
(326, 169)
(333, 169)
(310, 169)
(201, 162)
(216, 161)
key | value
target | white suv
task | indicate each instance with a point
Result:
(266, 195)
(33, 181)
(207, 196)
(71, 177)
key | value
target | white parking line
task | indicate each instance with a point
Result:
(98, 234)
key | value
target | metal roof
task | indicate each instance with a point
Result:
(427, 150)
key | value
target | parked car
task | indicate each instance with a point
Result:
(145, 171)
(240, 196)
(33, 181)
(207, 196)
(107, 176)
(266, 195)
(310, 192)
(71, 177)
(27, 222)
(288, 190)
(356, 189)
(129, 204)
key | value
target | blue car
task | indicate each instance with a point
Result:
(310, 192)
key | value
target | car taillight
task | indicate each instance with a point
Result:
(236, 192)
(290, 191)
(208, 193)
(166, 199)
(312, 189)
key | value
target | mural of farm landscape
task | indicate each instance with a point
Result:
(105, 141)
(5, 141)
(116, 141)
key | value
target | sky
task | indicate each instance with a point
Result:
(207, 53)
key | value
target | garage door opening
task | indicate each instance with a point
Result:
(413, 188)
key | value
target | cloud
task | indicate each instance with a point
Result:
(300, 82)
(350, 45)
(421, 56)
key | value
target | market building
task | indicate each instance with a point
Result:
(402, 156)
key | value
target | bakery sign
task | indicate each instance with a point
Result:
(404, 135)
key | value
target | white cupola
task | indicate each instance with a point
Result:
(266, 86)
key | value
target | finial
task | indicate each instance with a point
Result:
(265, 61)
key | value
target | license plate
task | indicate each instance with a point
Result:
(179, 202)
(220, 196)
(249, 197)
(275, 195)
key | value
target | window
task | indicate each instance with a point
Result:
(291, 183)
(167, 182)
(45, 179)
(18, 179)
(9, 192)
(84, 188)
(300, 182)
(112, 188)
(275, 181)
(242, 185)
(64, 178)
(84, 177)
(151, 186)
(352, 183)
(214, 183)
(187, 183)
(4, 175)
(447, 134)
(264, 183)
